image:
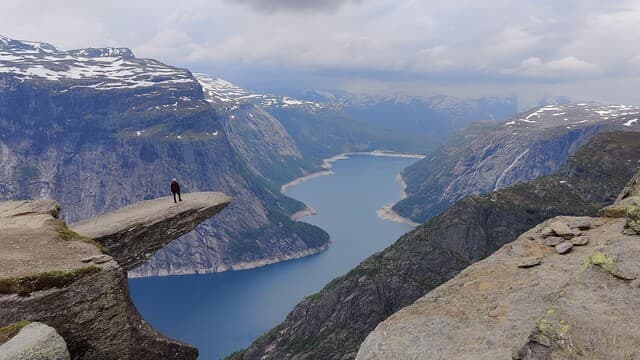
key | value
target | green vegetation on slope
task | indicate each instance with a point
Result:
(25, 285)
(9, 331)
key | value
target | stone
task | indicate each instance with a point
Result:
(562, 229)
(632, 189)
(529, 262)
(547, 231)
(101, 259)
(620, 207)
(613, 211)
(580, 223)
(564, 247)
(580, 240)
(35, 341)
(633, 220)
(553, 241)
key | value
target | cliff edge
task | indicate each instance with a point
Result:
(74, 283)
(133, 233)
(566, 289)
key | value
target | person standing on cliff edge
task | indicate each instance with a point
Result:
(175, 189)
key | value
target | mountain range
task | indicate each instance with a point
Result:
(99, 128)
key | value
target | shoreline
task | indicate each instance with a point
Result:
(327, 165)
(307, 211)
(387, 212)
(238, 266)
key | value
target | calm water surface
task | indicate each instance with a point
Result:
(224, 312)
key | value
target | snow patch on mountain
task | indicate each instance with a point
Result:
(584, 114)
(222, 91)
(95, 68)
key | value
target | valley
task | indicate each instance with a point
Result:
(232, 309)
(342, 218)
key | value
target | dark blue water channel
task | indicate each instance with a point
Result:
(224, 312)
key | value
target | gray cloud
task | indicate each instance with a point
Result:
(460, 47)
(273, 6)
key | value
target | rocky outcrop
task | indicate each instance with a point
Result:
(51, 274)
(133, 233)
(35, 341)
(333, 323)
(487, 157)
(576, 304)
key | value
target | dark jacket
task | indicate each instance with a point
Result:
(175, 187)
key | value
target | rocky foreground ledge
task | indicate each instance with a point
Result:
(134, 233)
(566, 289)
(74, 283)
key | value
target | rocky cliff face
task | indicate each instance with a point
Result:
(256, 136)
(487, 157)
(53, 275)
(98, 129)
(530, 300)
(333, 323)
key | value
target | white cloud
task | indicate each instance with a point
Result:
(566, 67)
(465, 43)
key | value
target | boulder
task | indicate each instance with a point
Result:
(553, 240)
(564, 247)
(529, 262)
(580, 240)
(632, 226)
(562, 229)
(631, 190)
(35, 341)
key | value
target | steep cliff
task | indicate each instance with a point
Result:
(487, 157)
(320, 129)
(332, 323)
(256, 136)
(98, 129)
(530, 300)
(53, 275)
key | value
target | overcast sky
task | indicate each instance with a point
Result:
(583, 48)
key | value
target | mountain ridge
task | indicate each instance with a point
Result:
(332, 323)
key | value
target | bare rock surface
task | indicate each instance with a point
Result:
(579, 305)
(56, 276)
(31, 242)
(35, 341)
(133, 233)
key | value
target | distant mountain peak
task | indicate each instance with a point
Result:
(103, 52)
(223, 91)
(97, 68)
(573, 116)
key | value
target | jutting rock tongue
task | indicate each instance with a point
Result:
(54, 275)
(134, 233)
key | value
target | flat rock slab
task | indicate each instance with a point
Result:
(584, 302)
(35, 341)
(30, 240)
(133, 233)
